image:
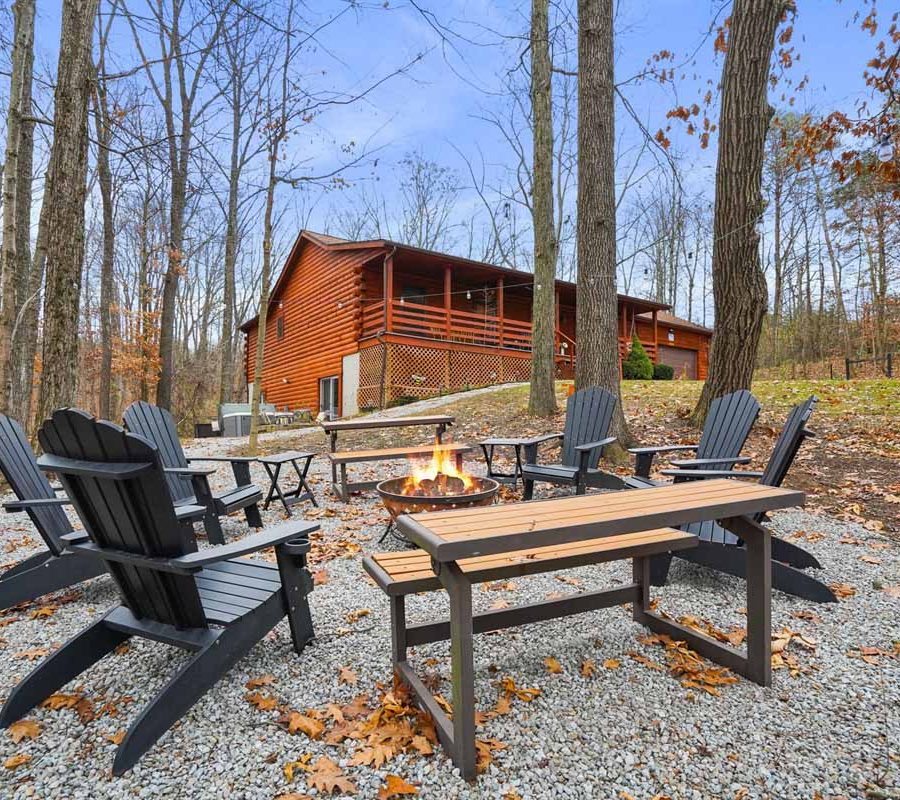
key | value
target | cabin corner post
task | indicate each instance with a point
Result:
(448, 297)
(500, 313)
(389, 292)
(655, 336)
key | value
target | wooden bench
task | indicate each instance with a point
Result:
(341, 459)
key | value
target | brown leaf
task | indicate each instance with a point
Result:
(23, 728)
(355, 616)
(292, 766)
(60, 700)
(374, 756)
(43, 612)
(485, 749)
(553, 666)
(116, 738)
(612, 663)
(300, 723)
(32, 653)
(395, 786)
(842, 590)
(587, 668)
(17, 761)
(326, 776)
(264, 702)
(262, 680)
(348, 676)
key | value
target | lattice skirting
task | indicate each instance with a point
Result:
(414, 371)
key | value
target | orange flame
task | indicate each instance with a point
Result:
(443, 462)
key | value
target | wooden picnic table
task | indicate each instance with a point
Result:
(343, 488)
(481, 534)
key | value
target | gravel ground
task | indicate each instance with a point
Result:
(629, 731)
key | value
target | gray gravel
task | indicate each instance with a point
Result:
(833, 729)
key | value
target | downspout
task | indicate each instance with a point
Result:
(379, 336)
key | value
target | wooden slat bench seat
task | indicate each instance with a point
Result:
(341, 459)
(411, 571)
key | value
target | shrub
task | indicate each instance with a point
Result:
(637, 365)
(663, 372)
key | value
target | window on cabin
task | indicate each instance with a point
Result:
(413, 294)
(279, 327)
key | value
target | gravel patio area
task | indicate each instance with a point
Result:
(828, 728)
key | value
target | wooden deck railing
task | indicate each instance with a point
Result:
(466, 327)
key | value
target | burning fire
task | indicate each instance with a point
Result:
(439, 476)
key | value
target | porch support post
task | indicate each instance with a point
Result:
(389, 293)
(500, 312)
(655, 337)
(448, 295)
(556, 324)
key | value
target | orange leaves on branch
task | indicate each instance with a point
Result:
(662, 140)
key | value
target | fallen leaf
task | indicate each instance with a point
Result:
(374, 756)
(43, 612)
(485, 749)
(553, 666)
(395, 786)
(326, 776)
(17, 761)
(320, 577)
(587, 668)
(23, 728)
(116, 738)
(348, 676)
(262, 680)
(59, 700)
(355, 616)
(612, 663)
(32, 653)
(870, 560)
(264, 702)
(842, 590)
(300, 723)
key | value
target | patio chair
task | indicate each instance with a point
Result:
(211, 603)
(51, 569)
(724, 552)
(725, 431)
(589, 414)
(188, 486)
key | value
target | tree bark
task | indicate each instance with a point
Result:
(65, 193)
(19, 95)
(597, 309)
(542, 397)
(739, 284)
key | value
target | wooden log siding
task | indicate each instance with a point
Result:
(321, 306)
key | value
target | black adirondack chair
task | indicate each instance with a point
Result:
(211, 602)
(54, 568)
(190, 486)
(589, 414)
(723, 551)
(727, 427)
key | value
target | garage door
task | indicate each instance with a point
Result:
(684, 362)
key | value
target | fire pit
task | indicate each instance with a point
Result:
(434, 486)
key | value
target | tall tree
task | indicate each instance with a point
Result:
(542, 397)
(13, 203)
(65, 191)
(597, 363)
(739, 284)
(185, 46)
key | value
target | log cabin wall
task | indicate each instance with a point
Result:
(312, 324)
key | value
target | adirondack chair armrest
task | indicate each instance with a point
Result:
(75, 537)
(703, 474)
(584, 450)
(57, 487)
(643, 456)
(183, 513)
(240, 466)
(531, 445)
(189, 471)
(294, 531)
(691, 463)
(38, 502)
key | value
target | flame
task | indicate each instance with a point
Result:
(442, 462)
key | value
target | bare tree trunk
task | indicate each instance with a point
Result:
(739, 285)
(65, 193)
(542, 397)
(10, 262)
(839, 308)
(597, 309)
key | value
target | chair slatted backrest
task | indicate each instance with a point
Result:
(158, 425)
(20, 469)
(589, 414)
(131, 512)
(727, 426)
(789, 440)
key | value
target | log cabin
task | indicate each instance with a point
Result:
(359, 325)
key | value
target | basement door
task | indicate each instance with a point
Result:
(328, 396)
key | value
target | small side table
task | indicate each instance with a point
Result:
(487, 447)
(273, 465)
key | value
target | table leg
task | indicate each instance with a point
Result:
(303, 485)
(332, 443)
(463, 669)
(641, 576)
(273, 472)
(398, 629)
(518, 471)
(758, 543)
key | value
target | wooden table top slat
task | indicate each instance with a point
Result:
(391, 422)
(451, 535)
(396, 452)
